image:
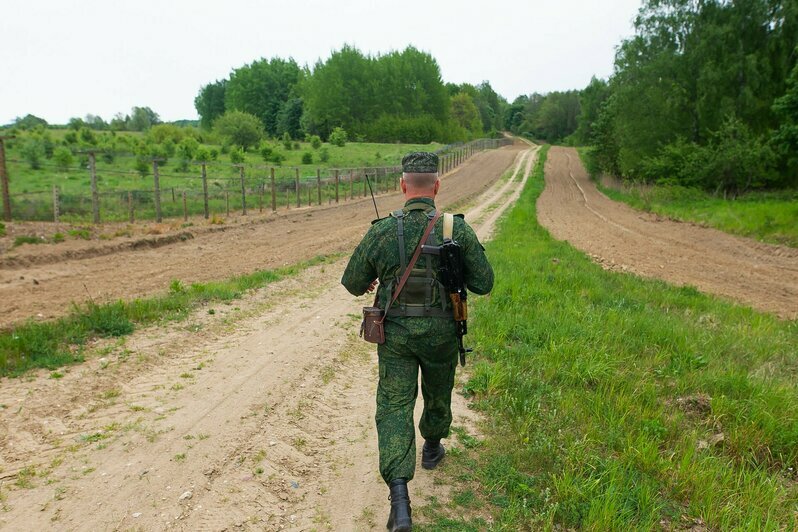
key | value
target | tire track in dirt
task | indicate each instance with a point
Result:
(257, 416)
(250, 243)
(620, 238)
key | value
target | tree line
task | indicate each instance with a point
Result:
(705, 93)
(394, 97)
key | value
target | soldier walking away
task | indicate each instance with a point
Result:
(423, 318)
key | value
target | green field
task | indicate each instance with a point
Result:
(618, 403)
(31, 190)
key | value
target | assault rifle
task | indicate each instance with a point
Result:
(451, 276)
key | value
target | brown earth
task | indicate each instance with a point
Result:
(41, 281)
(256, 415)
(760, 275)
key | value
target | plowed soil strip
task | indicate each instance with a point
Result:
(760, 275)
(253, 417)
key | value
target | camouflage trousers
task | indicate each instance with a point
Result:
(400, 358)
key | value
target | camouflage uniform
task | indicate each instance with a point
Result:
(413, 342)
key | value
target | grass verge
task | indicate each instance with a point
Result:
(617, 403)
(56, 343)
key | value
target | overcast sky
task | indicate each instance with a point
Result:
(65, 58)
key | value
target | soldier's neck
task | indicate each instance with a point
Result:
(428, 196)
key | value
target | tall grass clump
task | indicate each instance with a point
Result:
(619, 403)
(56, 343)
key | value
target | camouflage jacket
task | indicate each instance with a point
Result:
(377, 257)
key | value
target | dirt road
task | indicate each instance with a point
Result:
(41, 281)
(257, 416)
(620, 238)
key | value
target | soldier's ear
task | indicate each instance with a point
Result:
(403, 185)
(437, 186)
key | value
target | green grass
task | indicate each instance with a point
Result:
(56, 343)
(767, 216)
(25, 239)
(619, 403)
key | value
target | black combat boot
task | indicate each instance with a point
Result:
(432, 453)
(399, 520)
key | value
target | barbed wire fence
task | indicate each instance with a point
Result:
(210, 188)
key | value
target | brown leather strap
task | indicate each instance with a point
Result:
(411, 264)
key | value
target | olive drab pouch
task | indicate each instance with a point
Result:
(372, 328)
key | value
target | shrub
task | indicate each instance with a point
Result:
(324, 155)
(338, 137)
(307, 158)
(161, 132)
(287, 141)
(33, 153)
(58, 237)
(203, 154)
(266, 151)
(87, 136)
(297, 146)
(186, 151)
(239, 128)
(315, 141)
(278, 157)
(63, 158)
(236, 155)
(142, 166)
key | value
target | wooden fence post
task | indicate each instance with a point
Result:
(260, 197)
(274, 192)
(318, 186)
(56, 212)
(337, 181)
(4, 180)
(365, 182)
(185, 207)
(157, 183)
(227, 201)
(130, 212)
(351, 185)
(205, 189)
(298, 203)
(243, 191)
(95, 195)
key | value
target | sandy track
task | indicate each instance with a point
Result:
(29, 288)
(621, 238)
(257, 416)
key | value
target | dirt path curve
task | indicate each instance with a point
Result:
(257, 416)
(41, 281)
(620, 238)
